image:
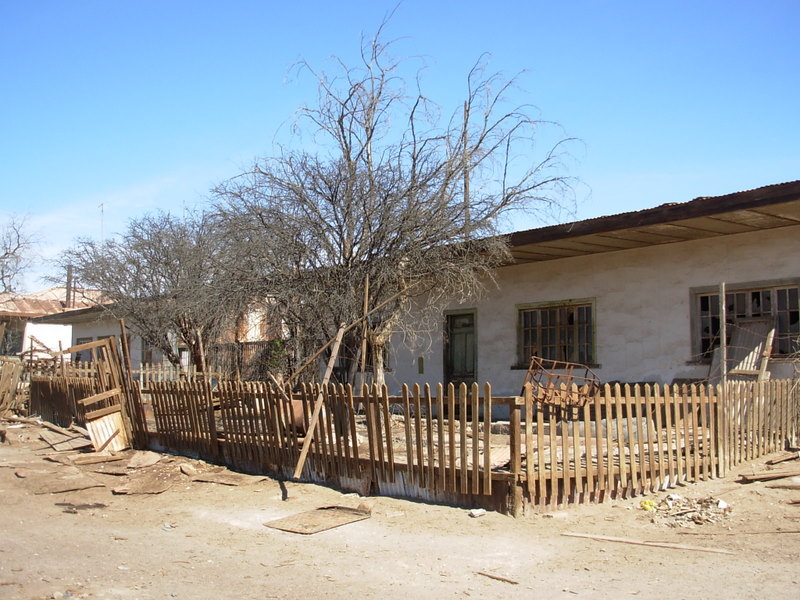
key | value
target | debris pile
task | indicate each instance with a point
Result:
(676, 511)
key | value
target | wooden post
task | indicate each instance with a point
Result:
(723, 335)
(516, 458)
(365, 328)
(723, 409)
(337, 341)
(137, 416)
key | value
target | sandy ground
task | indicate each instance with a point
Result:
(207, 540)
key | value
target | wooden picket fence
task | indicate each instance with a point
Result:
(255, 426)
(636, 439)
(441, 444)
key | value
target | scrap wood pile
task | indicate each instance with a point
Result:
(775, 477)
(70, 464)
(677, 511)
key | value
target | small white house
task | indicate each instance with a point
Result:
(92, 324)
(633, 296)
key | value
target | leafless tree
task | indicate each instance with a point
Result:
(393, 204)
(16, 247)
(167, 277)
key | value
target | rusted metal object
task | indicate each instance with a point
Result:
(560, 383)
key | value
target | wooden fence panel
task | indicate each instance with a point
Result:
(627, 440)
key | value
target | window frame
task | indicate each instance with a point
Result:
(697, 317)
(591, 303)
(83, 356)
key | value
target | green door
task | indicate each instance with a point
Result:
(459, 349)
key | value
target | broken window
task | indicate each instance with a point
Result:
(779, 302)
(563, 332)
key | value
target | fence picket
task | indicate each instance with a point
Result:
(475, 419)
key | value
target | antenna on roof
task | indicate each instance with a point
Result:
(102, 233)
(70, 295)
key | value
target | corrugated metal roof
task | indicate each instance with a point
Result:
(47, 302)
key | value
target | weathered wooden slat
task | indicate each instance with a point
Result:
(442, 439)
(487, 439)
(387, 420)
(451, 430)
(463, 470)
(431, 457)
(541, 470)
(475, 419)
(530, 459)
(412, 473)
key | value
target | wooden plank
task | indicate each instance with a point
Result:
(101, 429)
(664, 446)
(326, 434)
(649, 411)
(463, 472)
(640, 425)
(431, 475)
(356, 464)
(440, 401)
(318, 403)
(541, 471)
(102, 412)
(101, 396)
(418, 437)
(713, 429)
(487, 439)
(601, 471)
(387, 419)
(577, 444)
(451, 430)
(697, 434)
(631, 442)
(677, 405)
(611, 472)
(618, 418)
(476, 436)
(373, 434)
(554, 481)
(530, 470)
(763, 405)
(565, 451)
(413, 476)
(515, 463)
(606, 538)
(589, 445)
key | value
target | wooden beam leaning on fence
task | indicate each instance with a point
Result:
(334, 344)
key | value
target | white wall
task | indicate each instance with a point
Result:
(642, 307)
(98, 329)
(52, 336)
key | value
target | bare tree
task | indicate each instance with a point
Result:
(394, 204)
(167, 277)
(16, 246)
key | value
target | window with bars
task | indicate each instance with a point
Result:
(563, 332)
(779, 302)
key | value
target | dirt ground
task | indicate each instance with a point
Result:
(199, 539)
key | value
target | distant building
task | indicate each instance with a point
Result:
(16, 310)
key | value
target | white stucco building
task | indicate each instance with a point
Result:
(634, 296)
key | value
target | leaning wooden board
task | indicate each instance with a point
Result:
(108, 432)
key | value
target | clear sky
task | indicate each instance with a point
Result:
(110, 109)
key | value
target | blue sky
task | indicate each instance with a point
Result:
(144, 105)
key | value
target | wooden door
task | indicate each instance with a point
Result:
(460, 364)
